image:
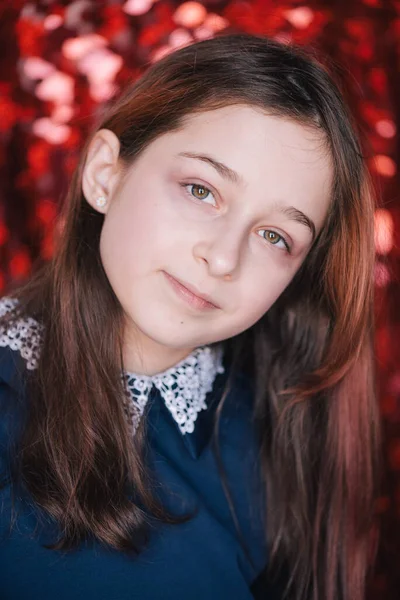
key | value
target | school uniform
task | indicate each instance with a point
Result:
(203, 558)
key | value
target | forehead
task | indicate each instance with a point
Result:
(229, 126)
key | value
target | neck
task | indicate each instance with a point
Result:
(145, 356)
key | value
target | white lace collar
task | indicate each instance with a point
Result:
(183, 387)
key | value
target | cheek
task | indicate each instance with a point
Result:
(130, 232)
(259, 294)
(140, 235)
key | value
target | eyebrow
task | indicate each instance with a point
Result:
(223, 170)
(227, 173)
(297, 215)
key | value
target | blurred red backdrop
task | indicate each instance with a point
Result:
(62, 60)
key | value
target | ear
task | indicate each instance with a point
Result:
(102, 170)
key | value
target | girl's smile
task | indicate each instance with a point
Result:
(187, 293)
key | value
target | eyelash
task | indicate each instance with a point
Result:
(199, 185)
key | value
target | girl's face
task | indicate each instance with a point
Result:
(226, 208)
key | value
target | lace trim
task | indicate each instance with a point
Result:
(22, 335)
(183, 387)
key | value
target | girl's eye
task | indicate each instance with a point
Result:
(200, 192)
(274, 238)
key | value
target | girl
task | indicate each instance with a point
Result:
(186, 388)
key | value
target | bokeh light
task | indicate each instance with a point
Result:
(384, 231)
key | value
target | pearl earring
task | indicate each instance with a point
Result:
(101, 201)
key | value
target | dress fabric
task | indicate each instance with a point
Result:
(203, 558)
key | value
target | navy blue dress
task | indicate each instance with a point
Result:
(204, 558)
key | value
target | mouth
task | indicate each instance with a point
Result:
(190, 294)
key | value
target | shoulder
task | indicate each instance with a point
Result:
(238, 426)
(20, 334)
(20, 341)
(241, 396)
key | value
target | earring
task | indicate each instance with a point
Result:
(101, 201)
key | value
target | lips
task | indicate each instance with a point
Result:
(192, 293)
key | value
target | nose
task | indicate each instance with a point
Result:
(222, 254)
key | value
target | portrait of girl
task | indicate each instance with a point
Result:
(187, 386)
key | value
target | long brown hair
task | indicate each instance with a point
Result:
(310, 356)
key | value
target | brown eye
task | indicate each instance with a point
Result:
(200, 192)
(275, 239)
(272, 237)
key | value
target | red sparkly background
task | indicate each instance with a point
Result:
(60, 60)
